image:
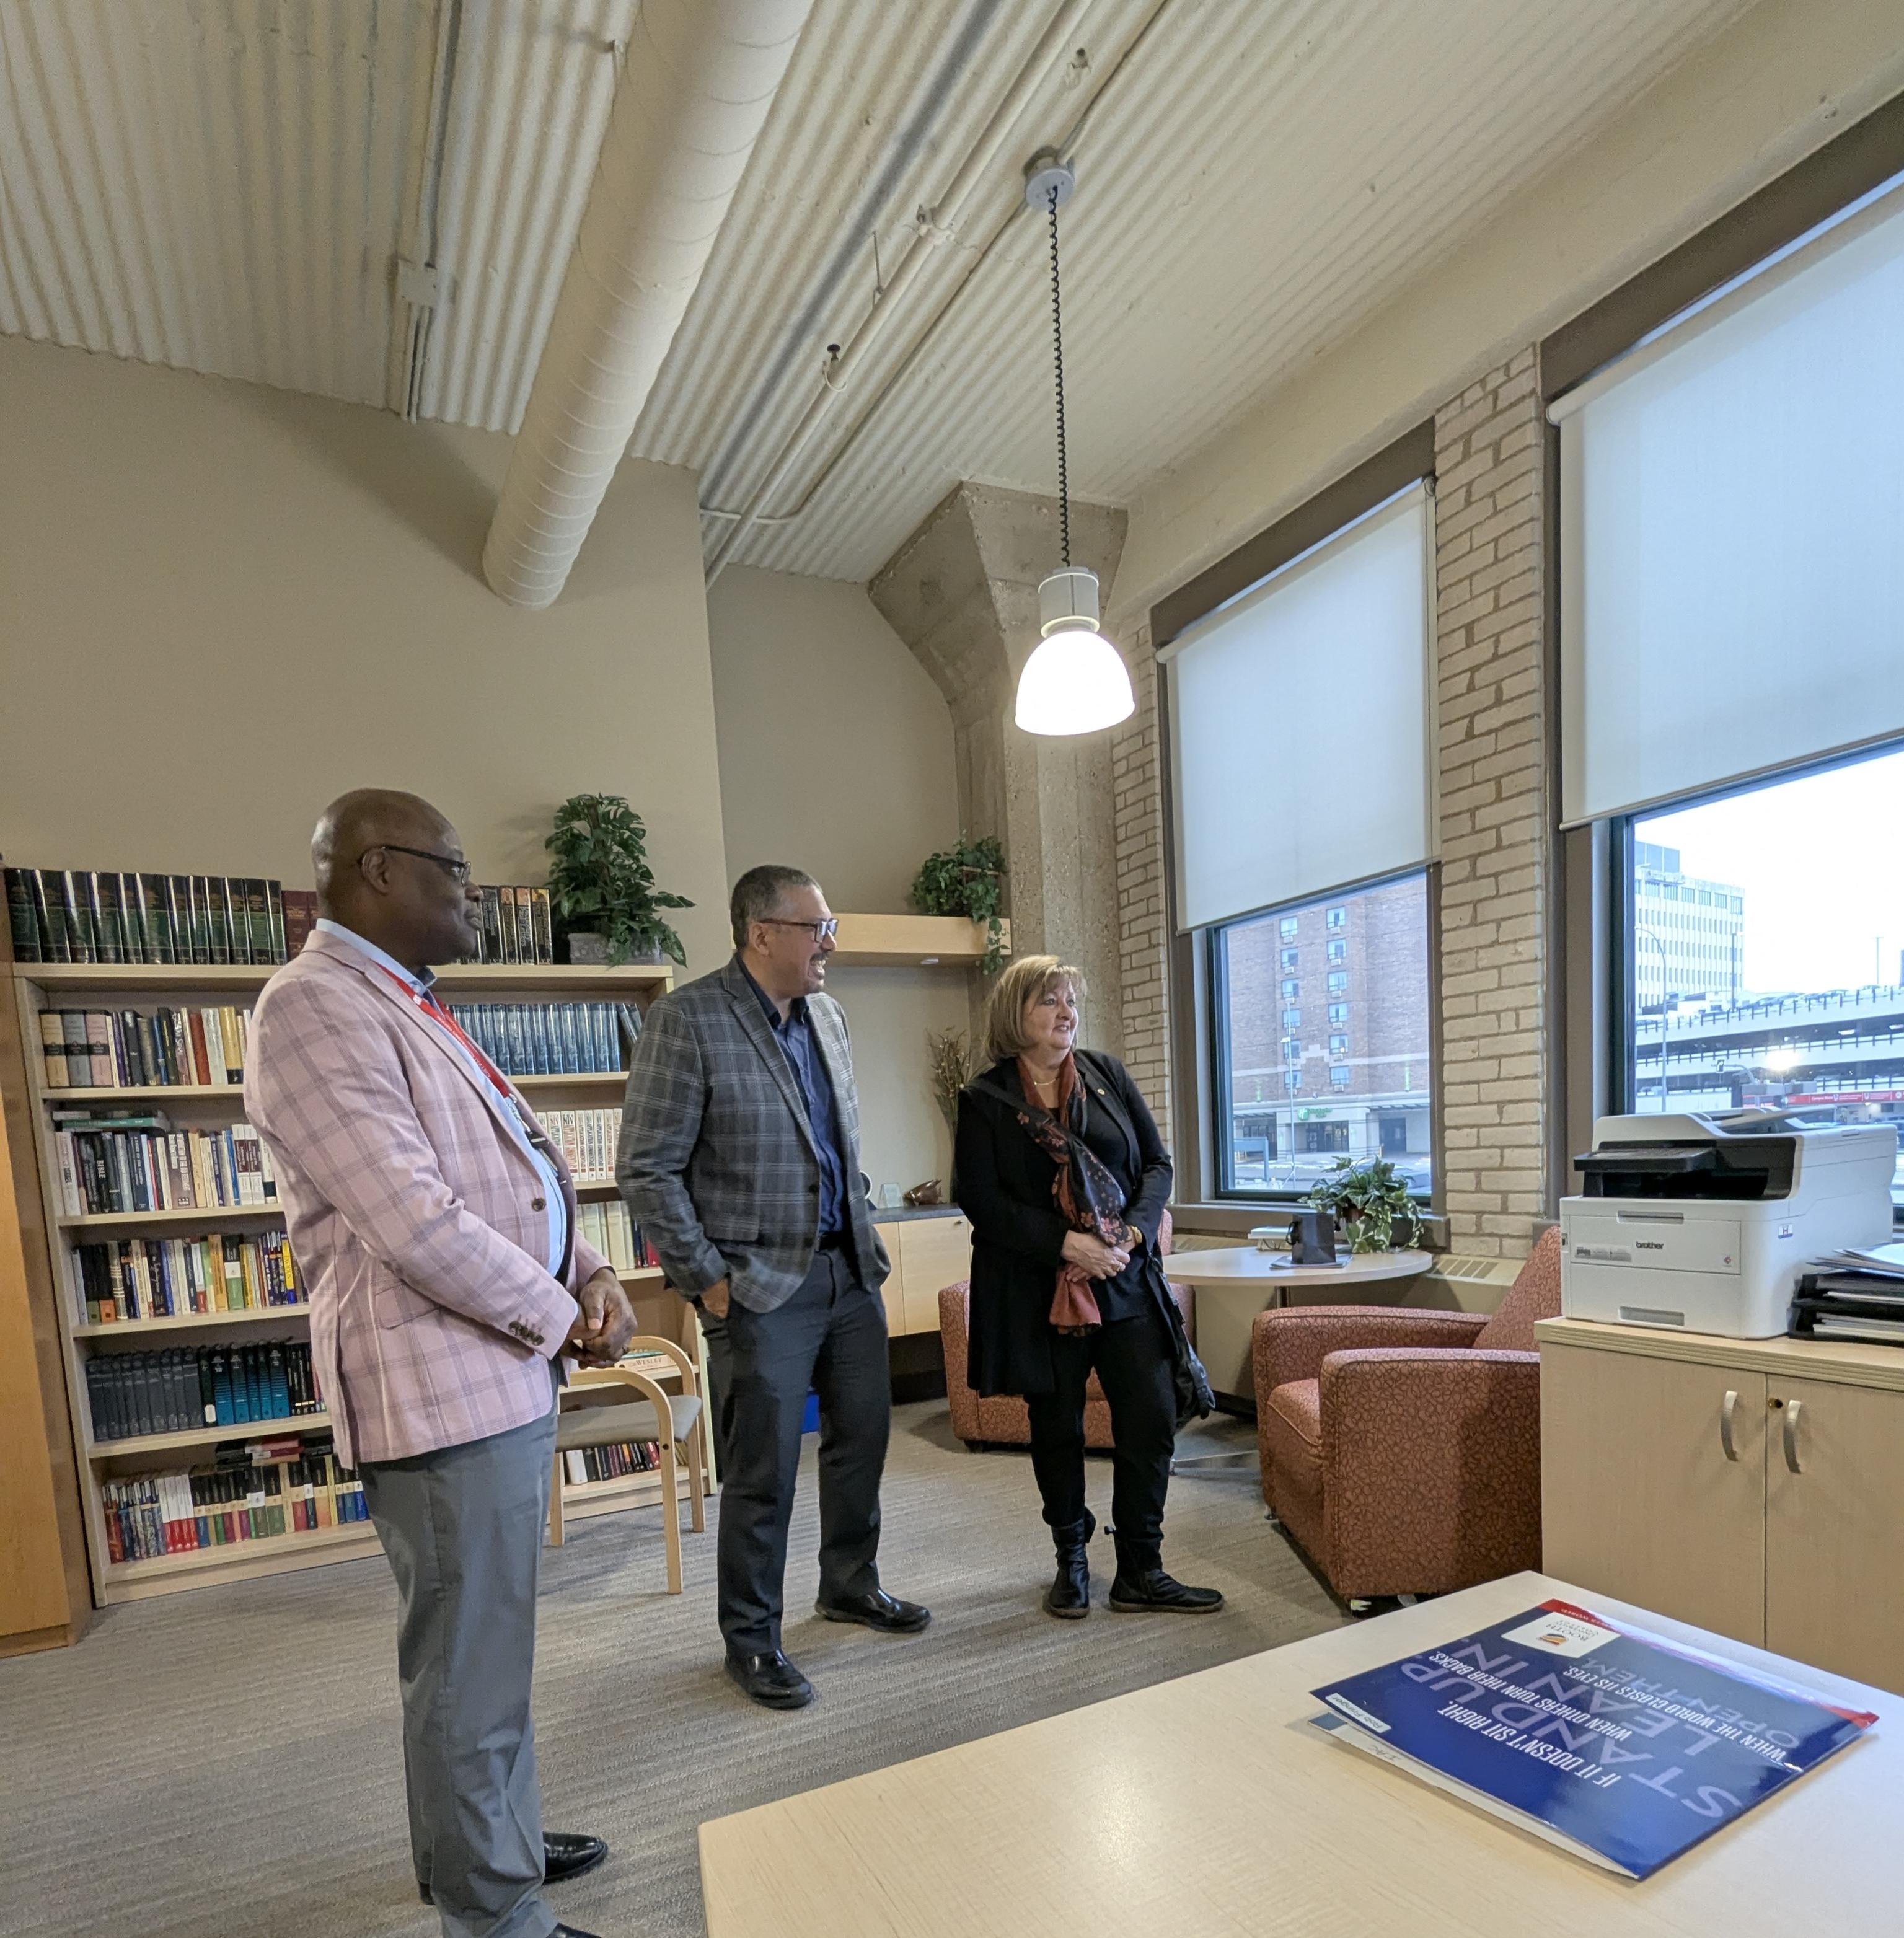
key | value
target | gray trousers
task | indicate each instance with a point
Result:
(830, 1338)
(462, 1527)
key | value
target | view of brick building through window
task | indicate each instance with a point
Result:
(1322, 1018)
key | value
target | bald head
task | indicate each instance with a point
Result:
(386, 866)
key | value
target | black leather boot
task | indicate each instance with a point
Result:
(1069, 1597)
(1143, 1588)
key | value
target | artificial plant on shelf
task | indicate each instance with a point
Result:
(967, 880)
(599, 882)
(1367, 1198)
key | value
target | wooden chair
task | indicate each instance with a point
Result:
(594, 1415)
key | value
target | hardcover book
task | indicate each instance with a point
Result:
(1615, 1744)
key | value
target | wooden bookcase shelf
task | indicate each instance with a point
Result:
(912, 941)
(39, 986)
(190, 1322)
(132, 1581)
(196, 1437)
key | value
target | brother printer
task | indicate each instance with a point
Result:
(1705, 1221)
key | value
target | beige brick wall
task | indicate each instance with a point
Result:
(1497, 1067)
(1489, 567)
(1136, 782)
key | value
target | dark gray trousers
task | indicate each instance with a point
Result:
(830, 1338)
(462, 1528)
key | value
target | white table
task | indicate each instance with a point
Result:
(1205, 1808)
(1236, 1282)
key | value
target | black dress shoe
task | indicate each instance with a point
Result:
(1145, 1591)
(566, 1854)
(878, 1610)
(1069, 1597)
(771, 1679)
(570, 1931)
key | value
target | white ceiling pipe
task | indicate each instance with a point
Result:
(700, 76)
(936, 224)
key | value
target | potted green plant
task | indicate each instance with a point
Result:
(1368, 1198)
(967, 880)
(600, 885)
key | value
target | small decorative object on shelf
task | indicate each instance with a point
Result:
(950, 1064)
(602, 886)
(1368, 1198)
(922, 1195)
(967, 880)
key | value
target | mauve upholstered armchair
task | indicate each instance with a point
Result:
(1401, 1448)
(1004, 1422)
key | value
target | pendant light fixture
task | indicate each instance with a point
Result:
(1075, 681)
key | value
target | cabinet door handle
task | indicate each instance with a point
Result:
(1727, 1409)
(1793, 1408)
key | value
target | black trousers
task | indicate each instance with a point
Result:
(830, 1338)
(1133, 1360)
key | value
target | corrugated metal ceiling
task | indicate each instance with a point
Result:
(225, 185)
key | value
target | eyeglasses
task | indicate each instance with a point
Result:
(457, 871)
(823, 931)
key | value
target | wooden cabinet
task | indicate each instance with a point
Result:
(927, 1254)
(1748, 1486)
(1834, 1469)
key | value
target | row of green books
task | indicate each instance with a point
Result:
(90, 915)
(126, 1279)
(247, 1495)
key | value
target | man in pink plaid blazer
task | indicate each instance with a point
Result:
(433, 1223)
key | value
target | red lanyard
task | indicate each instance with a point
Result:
(426, 1001)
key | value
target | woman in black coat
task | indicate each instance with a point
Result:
(1061, 1170)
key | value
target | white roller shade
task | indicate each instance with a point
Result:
(1300, 744)
(1732, 532)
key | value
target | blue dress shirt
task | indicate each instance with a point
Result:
(796, 1038)
(558, 1205)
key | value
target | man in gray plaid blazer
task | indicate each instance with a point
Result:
(740, 1159)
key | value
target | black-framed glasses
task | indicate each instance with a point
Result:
(457, 871)
(823, 931)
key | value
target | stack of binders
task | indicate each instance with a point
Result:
(1855, 1294)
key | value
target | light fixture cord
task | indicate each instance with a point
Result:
(1057, 365)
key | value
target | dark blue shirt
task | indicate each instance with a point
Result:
(802, 1054)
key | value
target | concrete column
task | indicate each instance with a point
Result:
(962, 592)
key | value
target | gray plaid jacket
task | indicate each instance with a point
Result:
(717, 1160)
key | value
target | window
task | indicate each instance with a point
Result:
(1338, 951)
(1289, 957)
(1338, 917)
(1292, 989)
(1289, 928)
(1338, 981)
(1799, 1003)
(1378, 1102)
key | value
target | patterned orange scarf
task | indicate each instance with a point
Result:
(1083, 1186)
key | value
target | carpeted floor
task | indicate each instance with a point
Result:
(229, 1762)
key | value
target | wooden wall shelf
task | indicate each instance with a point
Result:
(503, 978)
(912, 941)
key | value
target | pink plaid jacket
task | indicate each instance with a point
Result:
(418, 1222)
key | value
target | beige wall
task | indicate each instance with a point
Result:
(1788, 76)
(837, 757)
(221, 605)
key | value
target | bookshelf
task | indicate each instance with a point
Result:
(211, 1107)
